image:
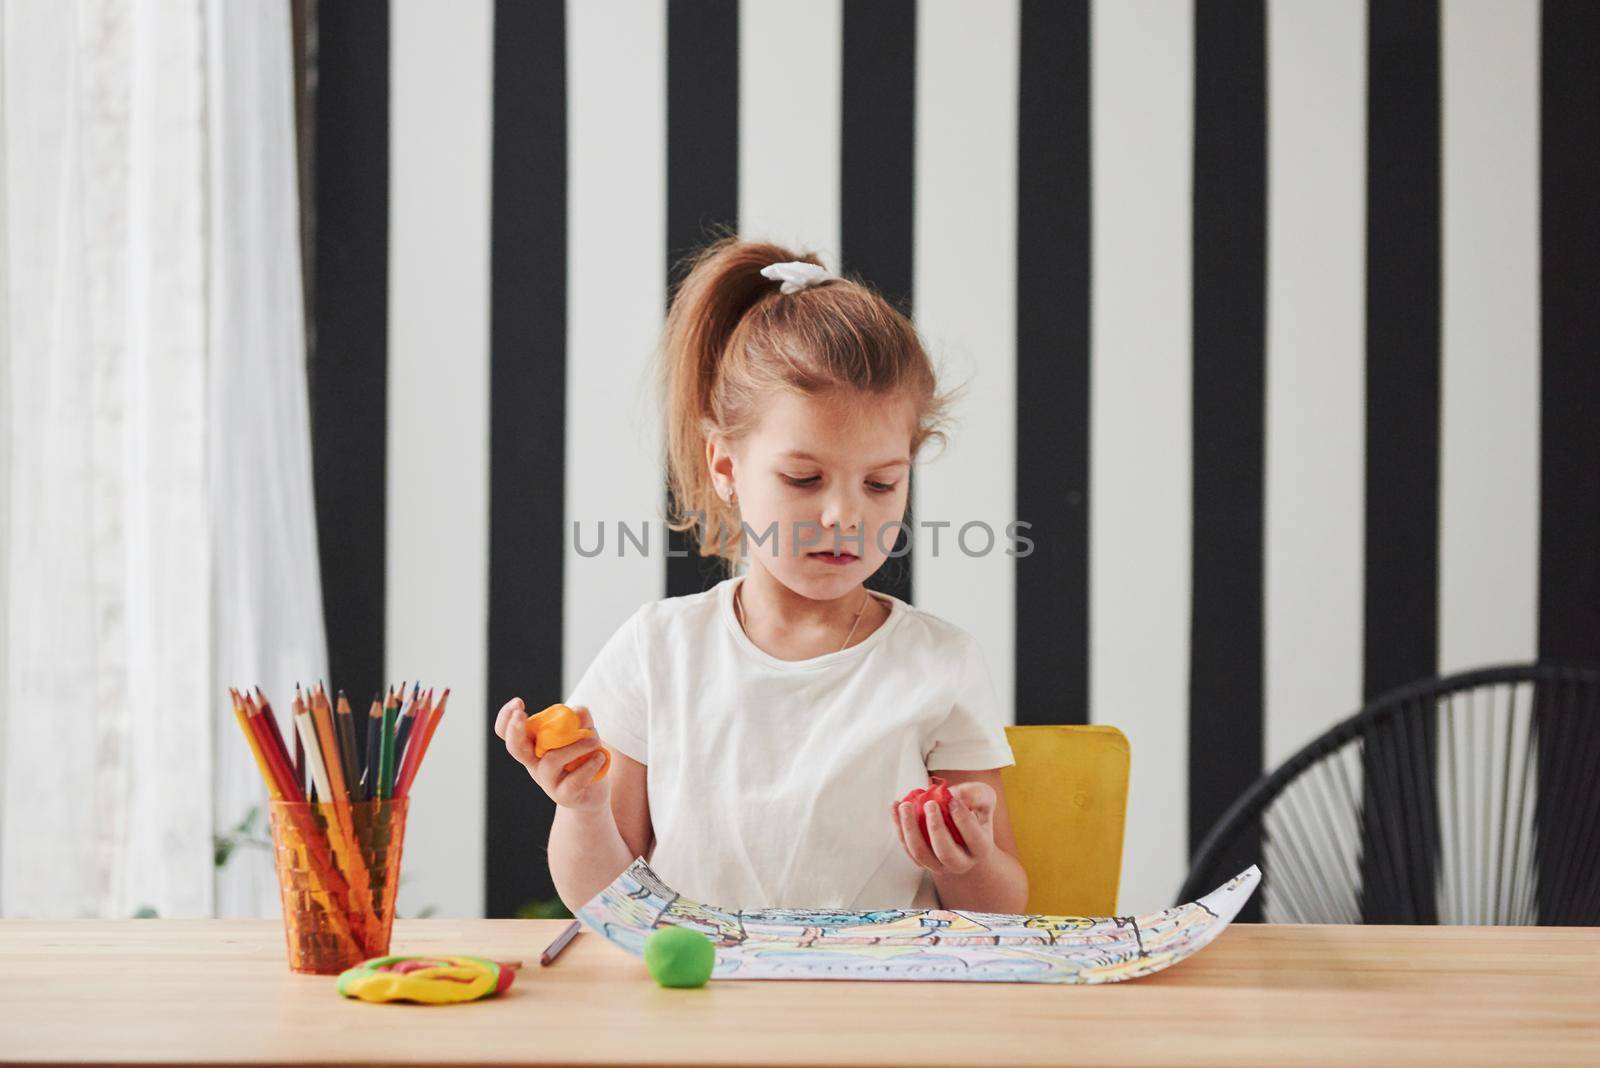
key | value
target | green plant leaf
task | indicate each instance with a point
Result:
(550, 909)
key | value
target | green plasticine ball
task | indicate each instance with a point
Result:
(678, 956)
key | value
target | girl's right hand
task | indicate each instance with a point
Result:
(575, 789)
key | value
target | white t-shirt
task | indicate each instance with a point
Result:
(770, 780)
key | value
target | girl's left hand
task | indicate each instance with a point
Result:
(972, 809)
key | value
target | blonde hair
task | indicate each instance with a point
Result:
(732, 340)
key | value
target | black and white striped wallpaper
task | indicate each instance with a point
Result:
(1280, 320)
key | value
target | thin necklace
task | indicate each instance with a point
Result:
(738, 610)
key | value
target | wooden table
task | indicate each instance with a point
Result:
(218, 991)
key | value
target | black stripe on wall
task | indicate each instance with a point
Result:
(876, 184)
(1569, 498)
(1569, 462)
(1053, 176)
(527, 423)
(1226, 667)
(702, 181)
(347, 343)
(1400, 643)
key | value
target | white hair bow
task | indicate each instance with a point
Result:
(795, 275)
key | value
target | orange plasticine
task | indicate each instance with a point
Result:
(557, 727)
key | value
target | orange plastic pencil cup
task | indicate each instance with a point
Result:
(327, 931)
(337, 859)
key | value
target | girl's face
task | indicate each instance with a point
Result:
(818, 475)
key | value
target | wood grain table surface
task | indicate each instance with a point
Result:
(219, 991)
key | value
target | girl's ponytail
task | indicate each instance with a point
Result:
(722, 283)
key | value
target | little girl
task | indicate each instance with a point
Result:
(763, 731)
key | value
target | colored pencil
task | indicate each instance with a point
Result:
(272, 749)
(308, 781)
(408, 730)
(343, 795)
(255, 747)
(412, 756)
(369, 759)
(347, 747)
(406, 724)
(328, 743)
(299, 748)
(391, 712)
(308, 732)
(333, 749)
(424, 738)
(561, 941)
(400, 704)
(344, 840)
(271, 722)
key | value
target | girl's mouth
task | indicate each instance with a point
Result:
(829, 557)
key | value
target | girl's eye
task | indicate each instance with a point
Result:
(876, 487)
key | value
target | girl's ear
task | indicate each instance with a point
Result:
(719, 461)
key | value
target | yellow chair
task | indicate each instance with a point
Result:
(1068, 799)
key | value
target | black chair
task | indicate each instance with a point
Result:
(1468, 799)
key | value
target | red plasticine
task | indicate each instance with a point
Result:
(938, 790)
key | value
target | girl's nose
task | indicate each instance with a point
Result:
(842, 514)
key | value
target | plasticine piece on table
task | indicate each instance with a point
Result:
(679, 956)
(938, 790)
(559, 726)
(429, 980)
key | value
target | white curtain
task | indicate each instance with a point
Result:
(155, 476)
